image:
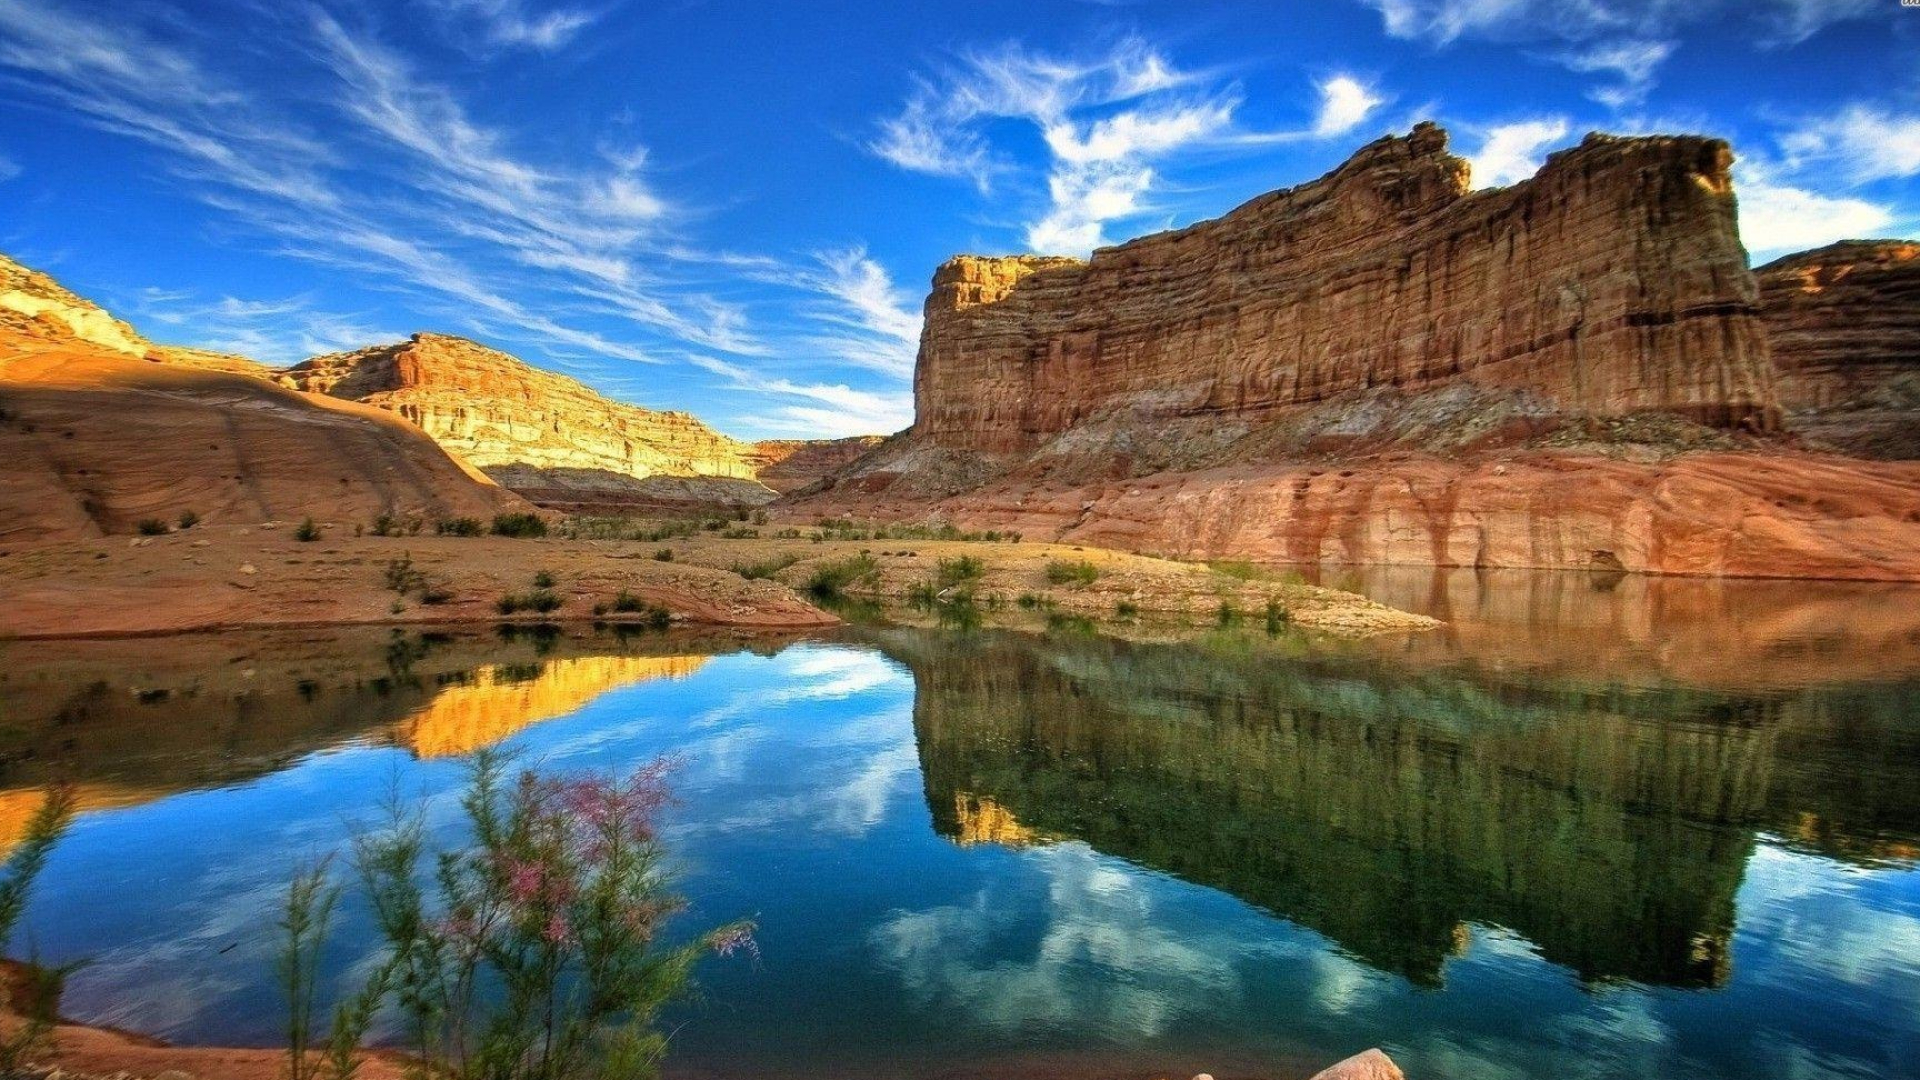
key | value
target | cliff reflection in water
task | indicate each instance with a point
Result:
(126, 727)
(1391, 812)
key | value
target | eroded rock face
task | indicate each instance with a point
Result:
(1613, 281)
(533, 429)
(1844, 321)
(791, 464)
(100, 434)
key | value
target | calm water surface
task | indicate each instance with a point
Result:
(1594, 828)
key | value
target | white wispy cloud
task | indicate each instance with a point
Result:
(872, 322)
(280, 332)
(1778, 217)
(820, 410)
(1109, 122)
(1634, 62)
(1510, 153)
(1862, 143)
(1777, 22)
(514, 23)
(1345, 103)
(449, 196)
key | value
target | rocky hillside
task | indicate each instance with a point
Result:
(1844, 321)
(545, 435)
(1382, 366)
(102, 431)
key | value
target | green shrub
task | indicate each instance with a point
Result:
(1077, 573)
(1031, 601)
(539, 600)
(1277, 616)
(740, 534)
(663, 555)
(188, 519)
(543, 580)
(307, 532)
(765, 568)
(628, 603)
(956, 571)
(1227, 615)
(460, 526)
(520, 525)
(1126, 609)
(387, 525)
(401, 576)
(152, 527)
(1239, 568)
(831, 578)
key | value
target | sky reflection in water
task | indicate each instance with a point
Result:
(1082, 855)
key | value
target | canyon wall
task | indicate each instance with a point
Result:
(1844, 321)
(531, 429)
(1613, 281)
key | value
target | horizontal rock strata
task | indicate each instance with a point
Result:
(1613, 281)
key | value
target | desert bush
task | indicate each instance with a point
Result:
(307, 531)
(401, 577)
(663, 555)
(740, 534)
(529, 953)
(521, 525)
(1078, 573)
(1277, 616)
(188, 519)
(831, 578)
(460, 526)
(765, 568)
(543, 579)
(1126, 609)
(958, 570)
(539, 600)
(152, 527)
(1227, 615)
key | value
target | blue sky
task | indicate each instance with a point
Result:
(733, 207)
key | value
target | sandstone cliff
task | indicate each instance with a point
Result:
(543, 434)
(791, 464)
(98, 438)
(1382, 367)
(1844, 322)
(1612, 281)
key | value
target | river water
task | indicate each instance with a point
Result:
(1595, 827)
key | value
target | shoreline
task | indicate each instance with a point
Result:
(214, 578)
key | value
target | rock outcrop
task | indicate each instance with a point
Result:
(1613, 281)
(98, 438)
(542, 434)
(1380, 366)
(787, 465)
(1844, 322)
(33, 306)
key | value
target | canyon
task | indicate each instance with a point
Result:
(1387, 366)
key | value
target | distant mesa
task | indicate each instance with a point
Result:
(544, 435)
(1385, 366)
